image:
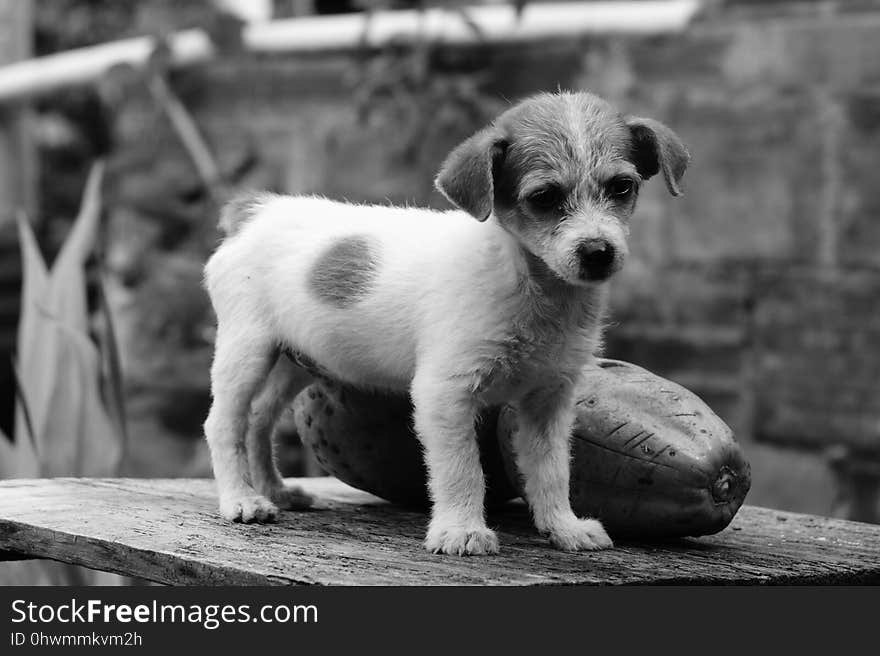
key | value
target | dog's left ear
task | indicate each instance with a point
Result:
(656, 148)
(467, 177)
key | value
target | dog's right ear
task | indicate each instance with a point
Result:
(467, 176)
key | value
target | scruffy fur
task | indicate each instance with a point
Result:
(498, 303)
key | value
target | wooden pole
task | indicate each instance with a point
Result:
(311, 34)
(17, 158)
(17, 191)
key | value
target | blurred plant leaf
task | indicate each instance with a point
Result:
(21, 459)
(18, 458)
(22, 404)
(84, 439)
(68, 277)
(111, 368)
(59, 364)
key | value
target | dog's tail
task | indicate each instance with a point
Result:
(241, 209)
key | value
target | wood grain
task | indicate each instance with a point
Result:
(169, 531)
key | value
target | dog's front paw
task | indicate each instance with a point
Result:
(461, 541)
(291, 497)
(248, 508)
(580, 535)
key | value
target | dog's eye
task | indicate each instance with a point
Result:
(548, 198)
(621, 188)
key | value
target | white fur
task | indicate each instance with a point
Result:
(423, 328)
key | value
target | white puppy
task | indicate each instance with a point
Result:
(498, 303)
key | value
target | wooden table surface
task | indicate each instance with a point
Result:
(169, 531)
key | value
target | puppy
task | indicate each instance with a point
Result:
(497, 303)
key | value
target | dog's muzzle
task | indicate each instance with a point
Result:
(597, 259)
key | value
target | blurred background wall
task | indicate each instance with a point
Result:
(758, 289)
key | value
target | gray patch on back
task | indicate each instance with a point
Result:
(346, 272)
(241, 209)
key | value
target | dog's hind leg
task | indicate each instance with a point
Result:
(284, 381)
(242, 359)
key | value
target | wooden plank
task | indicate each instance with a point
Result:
(169, 531)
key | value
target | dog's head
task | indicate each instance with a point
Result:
(562, 172)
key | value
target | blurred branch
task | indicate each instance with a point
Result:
(496, 24)
(188, 132)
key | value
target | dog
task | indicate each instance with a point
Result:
(499, 301)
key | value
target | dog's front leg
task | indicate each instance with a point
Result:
(444, 419)
(541, 444)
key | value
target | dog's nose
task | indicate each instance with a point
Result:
(596, 258)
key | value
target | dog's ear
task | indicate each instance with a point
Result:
(656, 148)
(467, 177)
